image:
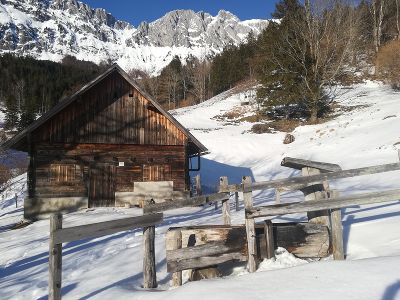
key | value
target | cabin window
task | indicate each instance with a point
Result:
(65, 173)
(156, 173)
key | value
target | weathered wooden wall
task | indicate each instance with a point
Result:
(63, 170)
(112, 112)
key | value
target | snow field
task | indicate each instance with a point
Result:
(111, 266)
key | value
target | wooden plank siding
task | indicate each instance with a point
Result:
(113, 112)
(83, 157)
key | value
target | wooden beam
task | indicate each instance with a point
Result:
(333, 203)
(188, 202)
(75, 233)
(295, 183)
(296, 163)
(250, 228)
(200, 262)
(55, 258)
(208, 249)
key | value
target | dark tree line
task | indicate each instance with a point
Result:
(29, 87)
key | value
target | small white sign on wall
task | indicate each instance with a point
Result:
(121, 164)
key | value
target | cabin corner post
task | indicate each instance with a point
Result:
(31, 180)
(250, 225)
(55, 259)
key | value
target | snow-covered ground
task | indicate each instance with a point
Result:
(110, 266)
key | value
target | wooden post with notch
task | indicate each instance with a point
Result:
(226, 208)
(315, 192)
(250, 226)
(55, 259)
(336, 230)
(149, 260)
(176, 243)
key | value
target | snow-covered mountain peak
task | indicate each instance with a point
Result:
(51, 29)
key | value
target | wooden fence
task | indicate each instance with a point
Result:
(330, 200)
(59, 235)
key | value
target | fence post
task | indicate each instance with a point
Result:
(315, 192)
(237, 201)
(250, 225)
(176, 244)
(149, 259)
(16, 200)
(226, 208)
(269, 237)
(55, 259)
(337, 230)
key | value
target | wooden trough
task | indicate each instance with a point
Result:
(204, 246)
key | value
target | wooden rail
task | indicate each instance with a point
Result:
(188, 202)
(296, 183)
(333, 203)
(59, 235)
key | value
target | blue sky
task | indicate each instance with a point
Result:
(135, 11)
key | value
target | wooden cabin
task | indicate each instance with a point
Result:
(109, 144)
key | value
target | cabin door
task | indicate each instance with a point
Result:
(102, 185)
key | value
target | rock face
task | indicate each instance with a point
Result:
(51, 29)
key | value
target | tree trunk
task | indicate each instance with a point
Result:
(314, 114)
(397, 19)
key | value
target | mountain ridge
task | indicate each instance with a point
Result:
(52, 29)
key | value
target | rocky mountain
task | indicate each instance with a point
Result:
(51, 29)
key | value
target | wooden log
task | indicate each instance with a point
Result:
(149, 264)
(176, 244)
(304, 240)
(188, 202)
(226, 208)
(209, 249)
(205, 261)
(220, 243)
(269, 238)
(337, 231)
(250, 229)
(295, 183)
(237, 207)
(312, 193)
(333, 203)
(70, 234)
(55, 258)
(299, 164)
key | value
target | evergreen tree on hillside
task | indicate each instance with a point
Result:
(305, 54)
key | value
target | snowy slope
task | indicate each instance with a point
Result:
(110, 267)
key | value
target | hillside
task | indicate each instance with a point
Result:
(364, 132)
